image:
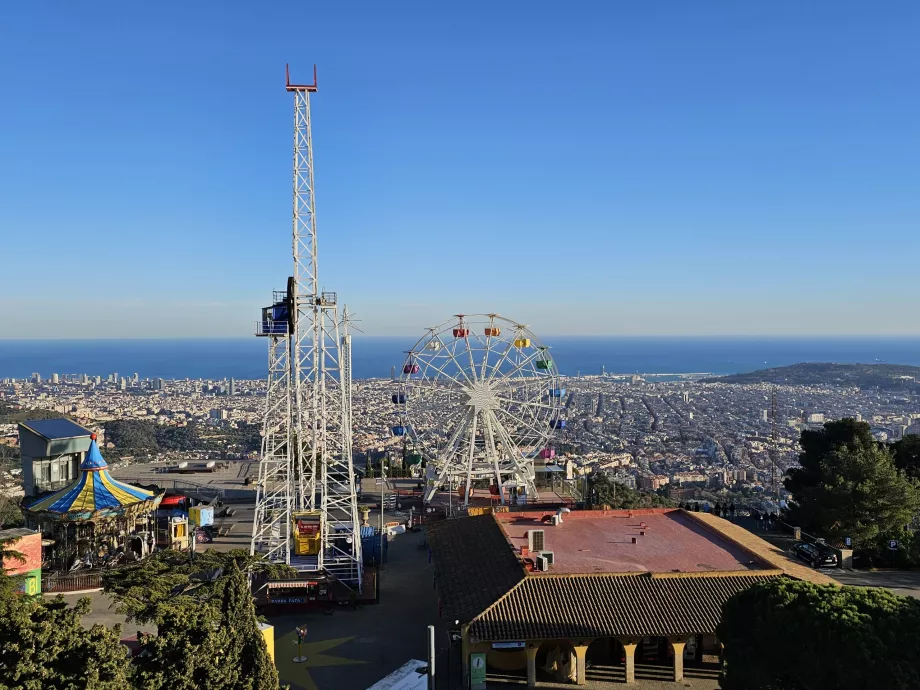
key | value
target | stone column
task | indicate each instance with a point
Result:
(531, 651)
(581, 652)
(678, 646)
(629, 651)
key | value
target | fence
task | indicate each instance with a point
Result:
(73, 582)
(183, 485)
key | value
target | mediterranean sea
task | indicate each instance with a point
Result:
(373, 357)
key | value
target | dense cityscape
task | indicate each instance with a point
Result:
(646, 435)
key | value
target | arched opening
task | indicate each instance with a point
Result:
(556, 662)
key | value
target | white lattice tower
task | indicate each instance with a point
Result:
(320, 383)
(271, 533)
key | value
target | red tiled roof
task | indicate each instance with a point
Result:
(482, 582)
(569, 606)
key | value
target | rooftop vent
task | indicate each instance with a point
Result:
(536, 540)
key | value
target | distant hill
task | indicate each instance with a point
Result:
(12, 414)
(883, 376)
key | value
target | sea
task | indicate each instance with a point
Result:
(373, 356)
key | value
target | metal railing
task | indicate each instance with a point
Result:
(182, 485)
(74, 582)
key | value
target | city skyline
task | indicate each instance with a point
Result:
(606, 170)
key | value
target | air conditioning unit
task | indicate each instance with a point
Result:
(549, 556)
(536, 540)
(543, 563)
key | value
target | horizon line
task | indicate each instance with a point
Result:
(546, 335)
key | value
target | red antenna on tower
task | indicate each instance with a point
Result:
(298, 87)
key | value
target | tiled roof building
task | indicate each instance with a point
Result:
(619, 581)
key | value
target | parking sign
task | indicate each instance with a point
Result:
(847, 542)
(893, 544)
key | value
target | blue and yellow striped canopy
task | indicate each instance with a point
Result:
(93, 492)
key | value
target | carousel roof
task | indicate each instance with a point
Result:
(94, 492)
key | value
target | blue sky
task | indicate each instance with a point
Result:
(587, 168)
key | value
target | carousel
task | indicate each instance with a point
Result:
(96, 522)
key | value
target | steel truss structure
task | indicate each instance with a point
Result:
(306, 465)
(479, 398)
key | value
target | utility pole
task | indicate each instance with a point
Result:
(431, 655)
(773, 444)
(383, 486)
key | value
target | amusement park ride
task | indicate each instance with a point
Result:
(306, 500)
(480, 398)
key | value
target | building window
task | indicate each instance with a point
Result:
(46, 473)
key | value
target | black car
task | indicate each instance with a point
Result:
(816, 555)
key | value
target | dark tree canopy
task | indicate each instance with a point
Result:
(792, 635)
(847, 485)
(207, 629)
(43, 644)
(907, 455)
(602, 490)
(168, 582)
(131, 434)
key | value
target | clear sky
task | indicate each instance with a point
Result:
(662, 167)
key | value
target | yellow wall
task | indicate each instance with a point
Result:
(268, 632)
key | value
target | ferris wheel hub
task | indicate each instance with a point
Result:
(482, 397)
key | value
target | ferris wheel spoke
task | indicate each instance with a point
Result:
(540, 435)
(469, 459)
(450, 451)
(513, 453)
(504, 357)
(429, 437)
(469, 352)
(492, 451)
(429, 362)
(460, 369)
(526, 403)
(518, 367)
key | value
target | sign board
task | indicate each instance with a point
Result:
(847, 542)
(477, 671)
(893, 544)
(509, 645)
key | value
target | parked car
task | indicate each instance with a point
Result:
(816, 555)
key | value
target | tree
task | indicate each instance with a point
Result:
(188, 652)
(246, 643)
(602, 490)
(10, 513)
(207, 629)
(167, 583)
(906, 454)
(848, 486)
(43, 644)
(790, 635)
(131, 434)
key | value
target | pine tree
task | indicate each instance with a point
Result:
(43, 645)
(246, 643)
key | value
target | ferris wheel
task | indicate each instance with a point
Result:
(479, 399)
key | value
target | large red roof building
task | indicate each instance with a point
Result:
(544, 594)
